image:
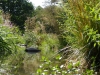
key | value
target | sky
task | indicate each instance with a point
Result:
(37, 2)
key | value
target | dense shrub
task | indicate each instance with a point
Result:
(82, 24)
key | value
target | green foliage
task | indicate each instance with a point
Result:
(50, 18)
(75, 24)
(4, 49)
(19, 11)
(82, 29)
(92, 36)
(1, 21)
(51, 66)
(38, 11)
(9, 40)
(88, 72)
(10, 50)
(76, 21)
(10, 37)
(93, 14)
(47, 43)
(67, 27)
(4, 46)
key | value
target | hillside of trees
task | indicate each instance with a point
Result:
(67, 32)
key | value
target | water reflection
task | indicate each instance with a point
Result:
(21, 64)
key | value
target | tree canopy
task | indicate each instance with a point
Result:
(18, 9)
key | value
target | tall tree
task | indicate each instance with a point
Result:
(19, 10)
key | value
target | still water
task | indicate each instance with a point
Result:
(20, 64)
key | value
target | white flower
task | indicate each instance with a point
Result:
(77, 70)
(45, 70)
(61, 66)
(74, 64)
(43, 73)
(60, 58)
